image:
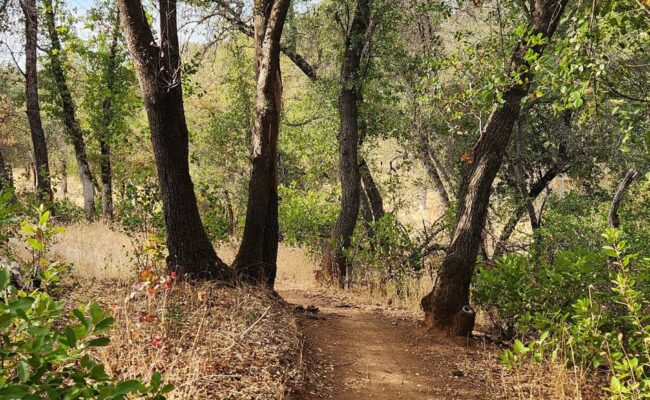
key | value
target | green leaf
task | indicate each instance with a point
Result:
(519, 347)
(38, 331)
(5, 278)
(22, 370)
(98, 342)
(13, 392)
(35, 243)
(104, 324)
(44, 218)
(610, 251)
(615, 385)
(126, 387)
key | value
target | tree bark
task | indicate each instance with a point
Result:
(105, 134)
(336, 263)
(613, 218)
(5, 177)
(158, 70)
(371, 192)
(256, 261)
(446, 303)
(431, 168)
(42, 166)
(235, 19)
(70, 121)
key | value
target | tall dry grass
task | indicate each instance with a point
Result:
(209, 341)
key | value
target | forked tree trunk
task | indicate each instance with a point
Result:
(72, 127)
(561, 165)
(105, 135)
(336, 263)
(42, 167)
(447, 306)
(158, 70)
(257, 256)
(535, 190)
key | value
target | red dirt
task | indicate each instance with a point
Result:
(355, 354)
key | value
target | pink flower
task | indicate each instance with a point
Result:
(173, 275)
(157, 342)
(168, 285)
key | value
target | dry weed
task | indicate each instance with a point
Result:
(210, 341)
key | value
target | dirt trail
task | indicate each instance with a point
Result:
(356, 354)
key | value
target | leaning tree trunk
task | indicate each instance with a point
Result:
(447, 306)
(372, 204)
(158, 71)
(105, 134)
(257, 256)
(612, 218)
(70, 121)
(336, 263)
(42, 167)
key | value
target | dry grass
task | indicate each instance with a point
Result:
(95, 250)
(219, 343)
(548, 380)
(211, 342)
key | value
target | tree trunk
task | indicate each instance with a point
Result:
(446, 307)
(430, 166)
(70, 121)
(107, 179)
(336, 263)
(561, 165)
(371, 191)
(43, 182)
(105, 135)
(257, 257)
(64, 178)
(158, 71)
(613, 218)
(5, 178)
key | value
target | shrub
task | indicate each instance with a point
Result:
(606, 325)
(139, 211)
(66, 212)
(43, 354)
(305, 215)
(43, 357)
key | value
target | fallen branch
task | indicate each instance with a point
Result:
(255, 323)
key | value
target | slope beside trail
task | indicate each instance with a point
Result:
(353, 354)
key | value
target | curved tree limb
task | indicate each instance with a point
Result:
(613, 219)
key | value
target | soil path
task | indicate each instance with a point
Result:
(364, 354)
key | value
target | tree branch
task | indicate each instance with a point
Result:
(244, 27)
(613, 218)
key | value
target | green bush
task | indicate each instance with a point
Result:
(66, 212)
(43, 353)
(588, 310)
(305, 215)
(139, 210)
(42, 356)
(515, 285)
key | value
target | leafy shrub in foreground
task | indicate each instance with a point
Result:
(606, 325)
(40, 359)
(42, 353)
